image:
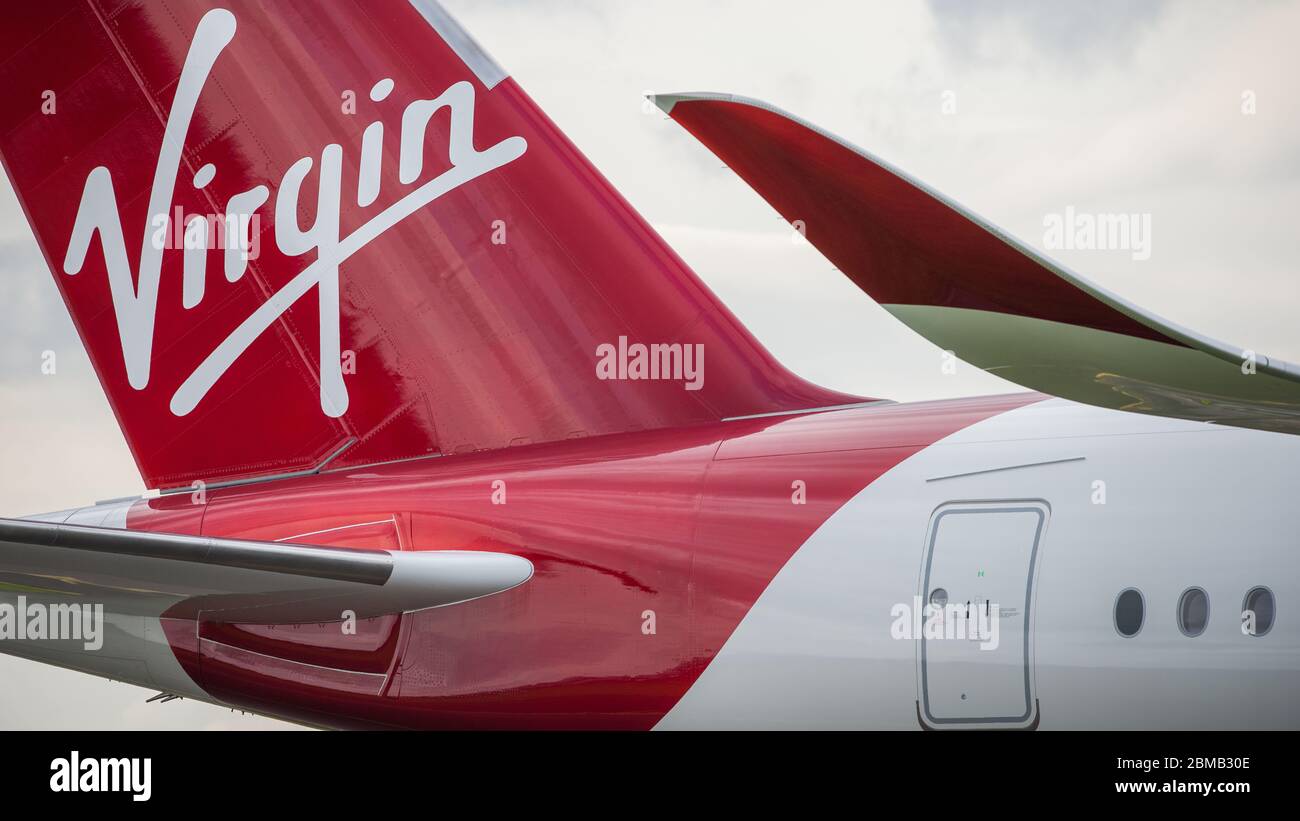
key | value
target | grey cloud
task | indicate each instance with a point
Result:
(1060, 30)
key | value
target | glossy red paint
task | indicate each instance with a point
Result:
(471, 324)
(475, 418)
(898, 242)
(691, 524)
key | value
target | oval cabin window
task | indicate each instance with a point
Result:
(1129, 613)
(1257, 611)
(1193, 611)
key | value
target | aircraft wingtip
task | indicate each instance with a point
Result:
(666, 102)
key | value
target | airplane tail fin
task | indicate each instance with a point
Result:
(291, 233)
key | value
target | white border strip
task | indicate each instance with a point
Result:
(487, 70)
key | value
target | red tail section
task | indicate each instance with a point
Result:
(297, 229)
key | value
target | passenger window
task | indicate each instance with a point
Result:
(1130, 611)
(1193, 611)
(1259, 606)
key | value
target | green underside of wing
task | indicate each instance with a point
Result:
(1110, 370)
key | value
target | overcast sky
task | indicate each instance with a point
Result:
(1104, 106)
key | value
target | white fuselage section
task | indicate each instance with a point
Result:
(1126, 501)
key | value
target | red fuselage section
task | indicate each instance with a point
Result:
(648, 550)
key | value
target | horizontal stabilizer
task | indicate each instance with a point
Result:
(231, 580)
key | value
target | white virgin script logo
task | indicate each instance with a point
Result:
(135, 306)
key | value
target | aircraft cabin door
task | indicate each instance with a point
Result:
(976, 644)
